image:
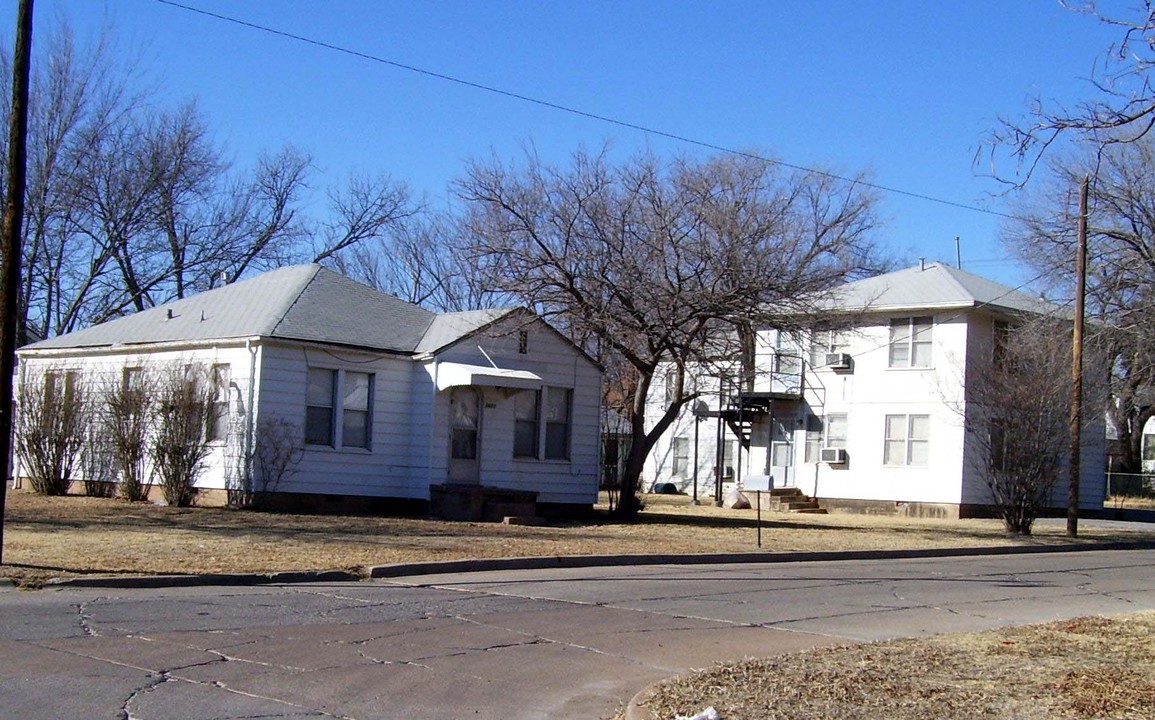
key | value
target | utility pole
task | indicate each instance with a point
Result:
(1076, 420)
(10, 236)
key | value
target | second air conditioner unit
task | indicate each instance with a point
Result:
(833, 456)
(837, 361)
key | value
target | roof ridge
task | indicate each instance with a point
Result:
(949, 270)
(317, 268)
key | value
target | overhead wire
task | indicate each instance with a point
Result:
(579, 112)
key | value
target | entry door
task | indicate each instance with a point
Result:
(464, 435)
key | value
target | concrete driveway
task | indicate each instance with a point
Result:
(514, 644)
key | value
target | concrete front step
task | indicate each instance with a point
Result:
(789, 499)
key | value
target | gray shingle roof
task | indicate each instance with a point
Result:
(937, 286)
(450, 327)
(300, 302)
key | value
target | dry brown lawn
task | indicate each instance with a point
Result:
(49, 537)
(1079, 669)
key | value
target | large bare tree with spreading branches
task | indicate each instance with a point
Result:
(132, 203)
(655, 264)
(1120, 267)
(1120, 107)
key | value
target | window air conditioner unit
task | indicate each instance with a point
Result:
(833, 456)
(837, 361)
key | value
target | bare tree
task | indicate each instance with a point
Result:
(131, 202)
(1120, 263)
(417, 260)
(361, 211)
(663, 262)
(1120, 110)
(51, 428)
(1016, 416)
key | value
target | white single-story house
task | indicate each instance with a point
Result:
(868, 417)
(388, 401)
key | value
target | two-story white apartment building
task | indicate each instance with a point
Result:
(871, 416)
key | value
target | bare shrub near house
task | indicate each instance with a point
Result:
(1020, 427)
(98, 462)
(51, 425)
(128, 403)
(277, 449)
(179, 445)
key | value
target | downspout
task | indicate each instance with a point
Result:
(432, 430)
(16, 457)
(250, 420)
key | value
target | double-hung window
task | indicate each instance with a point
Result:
(338, 408)
(907, 440)
(910, 342)
(525, 424)
(836, 430)
(681, 452)
(824, 342)
(541, 423)
(217, 427)
(813, 438)
(557, 422)
(59, 388)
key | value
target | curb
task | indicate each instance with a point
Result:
(222, 579)
(447, 567)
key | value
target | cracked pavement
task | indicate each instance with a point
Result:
(505, 644)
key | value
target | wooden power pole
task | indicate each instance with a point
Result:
(1076, 424)
(10, 251)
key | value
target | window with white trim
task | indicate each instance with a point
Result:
(813, 438)
(681, 455)
(357, 394)
(826, 431)
(836, 427)
(823, 342)
(217, 428)
(910, 342)
(525, 424)
(558, 403)
(338, 407)
(907, 440)
(59, 384)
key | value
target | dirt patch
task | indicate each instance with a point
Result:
(61, 536)
(1084, 668)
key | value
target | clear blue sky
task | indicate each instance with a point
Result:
(902, 89)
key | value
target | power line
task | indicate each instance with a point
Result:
(580, 113)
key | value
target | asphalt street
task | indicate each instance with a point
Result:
(561, 643)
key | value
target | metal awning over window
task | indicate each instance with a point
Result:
(451, 374)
